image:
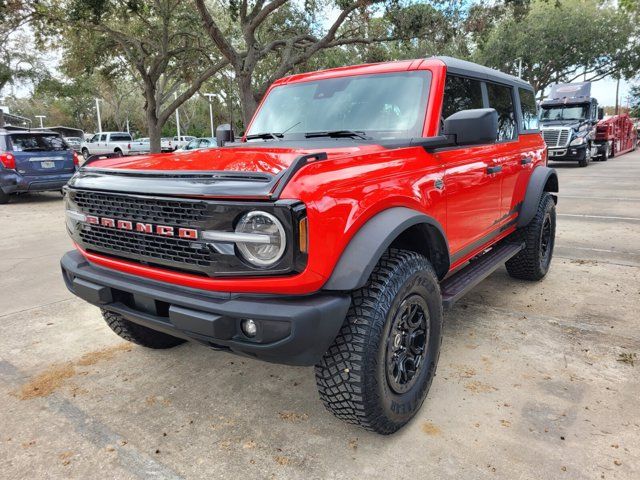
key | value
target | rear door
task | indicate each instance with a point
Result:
(41, 153)
(472, 189)
(507, 153)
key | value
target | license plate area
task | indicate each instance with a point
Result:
(48, 164)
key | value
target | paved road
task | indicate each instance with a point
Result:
(530, 383)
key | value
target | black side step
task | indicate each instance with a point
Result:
(458, 284)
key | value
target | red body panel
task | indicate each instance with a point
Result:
(343, 192)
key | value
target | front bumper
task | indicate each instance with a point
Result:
(568, 153)
(294, 330)
(12, 182)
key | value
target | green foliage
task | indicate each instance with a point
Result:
(634, 101)
(564, 40)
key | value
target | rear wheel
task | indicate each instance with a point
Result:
(138, 334)
(379, 369)
(118, 152)
(532, 263)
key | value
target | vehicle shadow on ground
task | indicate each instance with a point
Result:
(43, 197)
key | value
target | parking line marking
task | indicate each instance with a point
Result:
(96, 432)
(602, 250)
(599, 198)
(581, 215)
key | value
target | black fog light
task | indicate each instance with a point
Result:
(249, 327)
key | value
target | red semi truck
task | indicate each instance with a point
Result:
(614, 136)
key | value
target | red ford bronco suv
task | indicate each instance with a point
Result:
(359, 203)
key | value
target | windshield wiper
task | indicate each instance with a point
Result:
(337, 134)
(265, 136)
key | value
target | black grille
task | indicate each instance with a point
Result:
(193, 256)
(149, 210)
(169, 249)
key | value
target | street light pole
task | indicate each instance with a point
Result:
(519, 59)
(210, 111)
(41, 117)
(98, 112)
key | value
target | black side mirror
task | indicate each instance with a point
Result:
(600, 113)
(470, 127)
(224, 134)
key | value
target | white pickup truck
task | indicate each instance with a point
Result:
(107, 142)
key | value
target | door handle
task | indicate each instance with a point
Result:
(526, 160)
(494, 169)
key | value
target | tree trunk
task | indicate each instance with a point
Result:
(247, 98)
(155, 132)
(151, 111)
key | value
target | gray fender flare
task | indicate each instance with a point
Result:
(366, 247)
(537, 182)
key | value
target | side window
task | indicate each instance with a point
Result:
(460, 94)
(501, 99)
(529, 110)
(103, 137)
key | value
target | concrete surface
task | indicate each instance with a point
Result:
(530, 383)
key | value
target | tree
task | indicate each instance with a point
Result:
(156, 42)
(20, 63)
(274, 37)
(564, 41)
(634, 101)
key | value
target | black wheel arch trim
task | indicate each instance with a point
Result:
(540, 178)
(370, 242)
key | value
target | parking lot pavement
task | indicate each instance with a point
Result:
(536, 380)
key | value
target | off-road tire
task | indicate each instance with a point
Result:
(138, 334)
(4, 197)
(532, 263)
(352, 377)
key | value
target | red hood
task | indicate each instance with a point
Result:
(237, 159)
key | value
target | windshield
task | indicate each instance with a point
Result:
(31, 142)
(390, 105)
(564, 112)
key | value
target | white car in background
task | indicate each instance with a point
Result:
(181, 141)
(107, 142)
(199, 144)
(74, 142)
(140, 146)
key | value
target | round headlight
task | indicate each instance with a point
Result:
(270, 250)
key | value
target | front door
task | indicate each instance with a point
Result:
(471, 176)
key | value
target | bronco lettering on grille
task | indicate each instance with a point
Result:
(164, 230)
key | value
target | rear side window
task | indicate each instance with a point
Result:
(120, 137)
(33, 142)
(529, 110)
(460, 94)
(501, 99)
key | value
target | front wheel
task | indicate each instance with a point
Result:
(532, 263)
(587, 158)
(379, 369)
(85, 153)
(138, 334)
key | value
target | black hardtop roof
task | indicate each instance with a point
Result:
(470, 69)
